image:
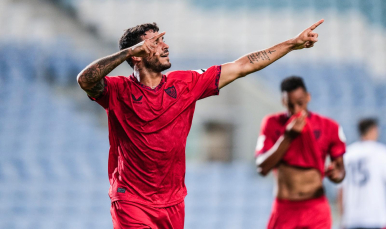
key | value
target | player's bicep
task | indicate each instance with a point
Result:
(230, 72)
(105, 90)
(96, 90)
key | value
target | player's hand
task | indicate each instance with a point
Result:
(307, 38)
(335, 171)
(295, 127)
(146, 48)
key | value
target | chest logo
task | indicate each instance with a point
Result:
(317, 134)
(171, 91)
(136, 100)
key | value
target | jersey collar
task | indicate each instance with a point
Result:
(163, 80)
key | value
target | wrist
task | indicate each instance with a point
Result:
(129, 52)
(290, 135)
(292, 44)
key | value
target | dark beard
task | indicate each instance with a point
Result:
(155, 65)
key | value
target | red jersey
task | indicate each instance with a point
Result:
(320, 137)
(148, 129)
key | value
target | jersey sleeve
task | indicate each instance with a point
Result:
(338, 141)
(110, 91)
(205, 82)
(267, 137)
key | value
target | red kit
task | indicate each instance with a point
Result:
(320, 137)
(148, 129)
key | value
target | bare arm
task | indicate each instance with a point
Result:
(267, 161)
(90, 79)
(335, 171)
(256, 61)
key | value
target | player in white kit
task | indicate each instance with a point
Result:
(362, 195)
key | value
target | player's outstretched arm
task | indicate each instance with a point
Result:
(256, 61)
(270, 159)
(90, 79)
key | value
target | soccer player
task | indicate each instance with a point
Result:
(150, 115)
(296, 143)
(364, 190)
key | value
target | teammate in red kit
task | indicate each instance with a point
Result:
(296, 144)
(150, 115)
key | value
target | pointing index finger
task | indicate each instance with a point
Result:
(316, 24)
(158, 36)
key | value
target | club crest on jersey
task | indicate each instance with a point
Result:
(136, 100)
(171, 91)
(317, 134)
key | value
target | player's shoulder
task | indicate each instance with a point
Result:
(116, 79)
(355, 147)
(326, 120)
(379, 147)
(366, 148)
(280, 117)
(177, 73)
(184, 75)
(198, 71)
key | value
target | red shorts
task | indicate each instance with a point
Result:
(305, 214)
(128, 214)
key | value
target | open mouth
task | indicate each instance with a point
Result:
(165, 55)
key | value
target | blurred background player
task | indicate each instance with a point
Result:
(150, 115)
(362, 195)
(296, 144)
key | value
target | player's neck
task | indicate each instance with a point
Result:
(147, 77)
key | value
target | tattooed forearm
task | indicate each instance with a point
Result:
(262, 55)
(100, 68)
(95, 72)
(97, 90)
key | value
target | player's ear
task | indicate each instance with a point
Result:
(308, 97)
(284, 98)
(136, 60)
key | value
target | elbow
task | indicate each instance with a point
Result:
(262, 167)
(262, 171)
(80, 80)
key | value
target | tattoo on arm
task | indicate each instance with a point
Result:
(261, 55)
(97, 90)
(91, 78)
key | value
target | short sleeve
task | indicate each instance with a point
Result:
(338, 141)
(206, 82)
(267, 137)
(109, 91)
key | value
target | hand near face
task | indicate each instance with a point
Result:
(148, 47)
(296, 126)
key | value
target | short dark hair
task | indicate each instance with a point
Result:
(133, 35)
(291, 83)
(366, 124)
